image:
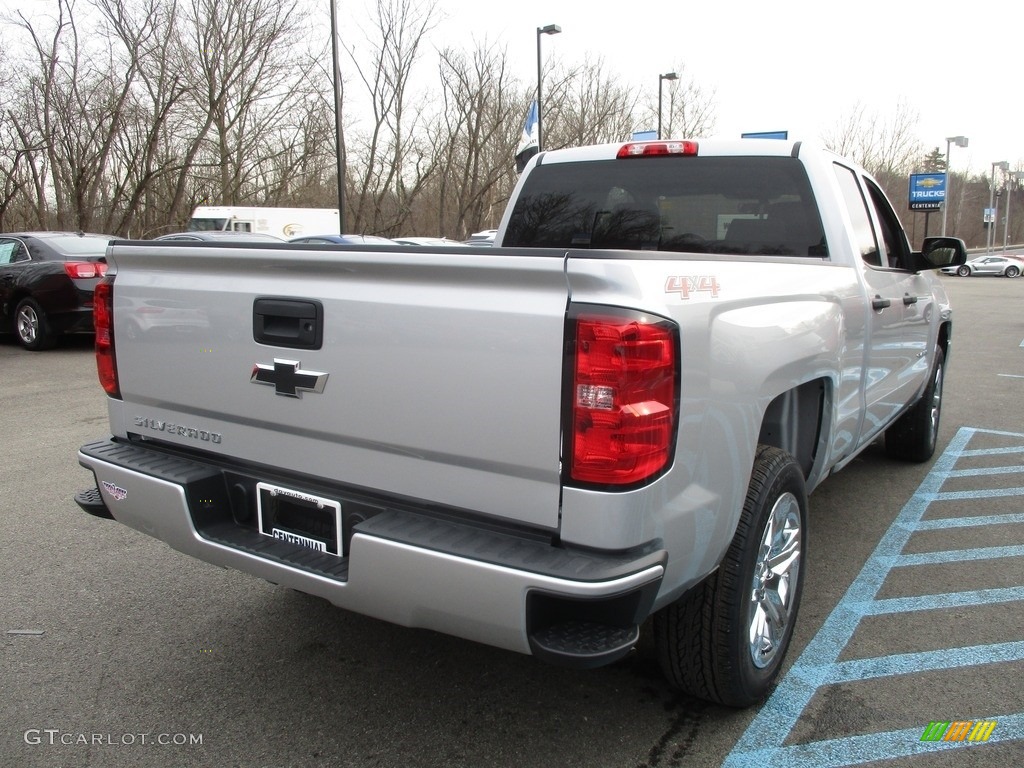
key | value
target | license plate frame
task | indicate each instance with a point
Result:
(297, 517)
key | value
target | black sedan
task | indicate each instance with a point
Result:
(46, 284)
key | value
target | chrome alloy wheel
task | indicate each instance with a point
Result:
(27, 324)
(776, 575)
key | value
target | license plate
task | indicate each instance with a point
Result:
(300, 518)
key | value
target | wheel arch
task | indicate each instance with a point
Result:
(945, 337)
(14, 299)
(793, 422)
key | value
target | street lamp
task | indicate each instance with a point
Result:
(550, 29)
(990, 238)
(1015, 176)
(960, 141)
(661, 79)
(339, 139)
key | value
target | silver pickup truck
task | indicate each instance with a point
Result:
(614, 414)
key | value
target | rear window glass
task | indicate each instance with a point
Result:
(73, 245)
(727, 205)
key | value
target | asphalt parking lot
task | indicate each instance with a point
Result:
(118, 651)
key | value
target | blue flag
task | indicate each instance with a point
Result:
(528, 145)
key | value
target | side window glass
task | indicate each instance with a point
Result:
(896, 247)
(7, 251)
(863, 231)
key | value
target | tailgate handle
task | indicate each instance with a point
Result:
(283, 322)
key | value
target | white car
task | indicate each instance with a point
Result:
(1007, 266)
(485, 237)
(427, 241)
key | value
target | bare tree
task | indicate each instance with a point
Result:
(586, 104)
(142, 156)
(70, 117)
(475, 137)
(390, 159)
(884, 147)
(249, 78)
(126, 122)
(688, 109)
(15, 174)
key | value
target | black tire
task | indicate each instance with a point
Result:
(32, 327)
(1012, 271)
(964, 271)
(914, 435)
(725, 639)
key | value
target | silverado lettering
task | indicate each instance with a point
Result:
(158, 425)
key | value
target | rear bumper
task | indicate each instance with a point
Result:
(416, 568)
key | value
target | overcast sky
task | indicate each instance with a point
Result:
(796, 65)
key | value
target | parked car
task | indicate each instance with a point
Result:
(46, 284)
(1007, 266)
(343, 240)
(485, 237)
(221, 236)
(427, 241)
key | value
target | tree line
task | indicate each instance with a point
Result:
(121, 116)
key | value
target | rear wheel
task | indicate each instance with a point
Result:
(725, 639)
(32, 326)
(1012, 271)
(914, 435)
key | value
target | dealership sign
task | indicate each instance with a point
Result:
(927, 191)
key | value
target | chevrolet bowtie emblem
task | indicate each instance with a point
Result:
(288, 379)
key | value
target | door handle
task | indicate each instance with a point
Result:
(879, 303)
(908, 299)
(287, 322)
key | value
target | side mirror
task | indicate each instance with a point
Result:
(943, 252)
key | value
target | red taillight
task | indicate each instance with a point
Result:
(650, 148)
(624, 398)
(83, 270)
(103, 321)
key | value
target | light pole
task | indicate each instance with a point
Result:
(661, 79)
(990, 237)
(550, 29)
(960, 141)
(339, 139)
(1012, 177)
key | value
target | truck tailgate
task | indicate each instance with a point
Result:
(443, 370)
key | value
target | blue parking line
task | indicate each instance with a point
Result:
(969, 522)
(950, 600)
(959, 555)
(909, 663)
(987, 471)
(763, 741)
(985, 493)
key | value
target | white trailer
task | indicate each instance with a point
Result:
(280, 222)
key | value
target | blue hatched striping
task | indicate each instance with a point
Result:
(762, 743)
